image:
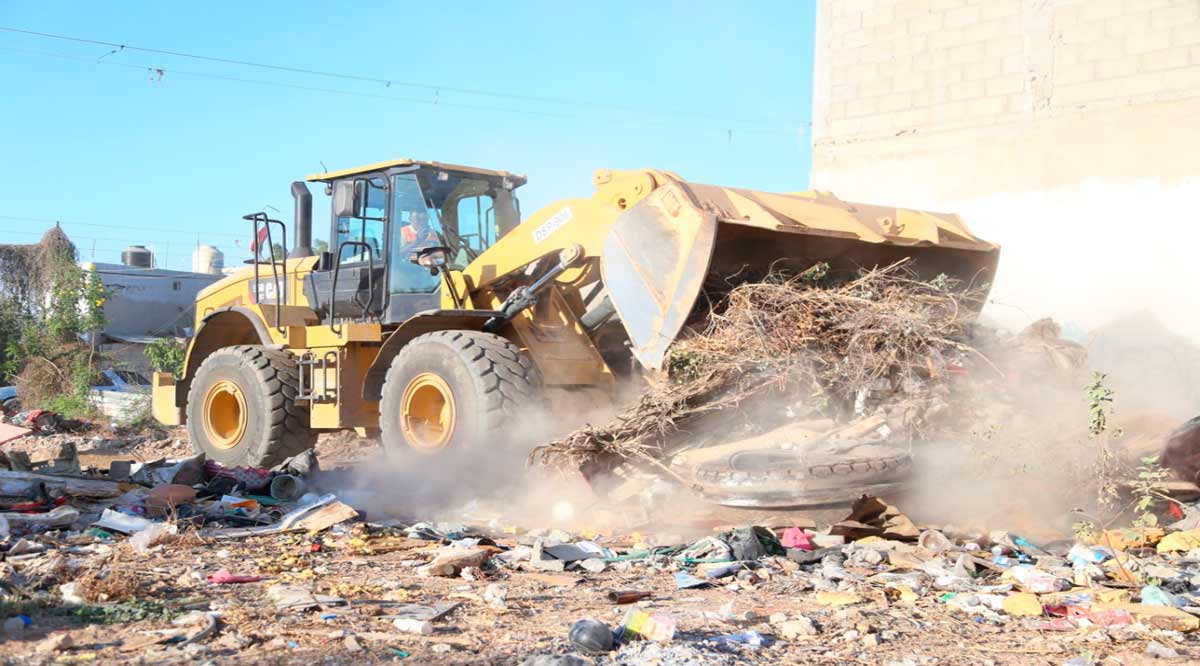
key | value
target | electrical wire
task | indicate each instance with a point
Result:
(435, 88)
(640, 121)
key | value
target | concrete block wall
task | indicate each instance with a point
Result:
(1066, 130)
(898, 65)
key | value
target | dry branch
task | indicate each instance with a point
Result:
(782, 335)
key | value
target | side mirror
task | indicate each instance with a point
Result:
(433, 258)
(344, 204)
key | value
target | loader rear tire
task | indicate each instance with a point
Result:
(448, 392)
(242, 409)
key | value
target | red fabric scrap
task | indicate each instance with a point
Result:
(253, 478)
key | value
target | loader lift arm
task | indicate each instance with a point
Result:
(490, 321)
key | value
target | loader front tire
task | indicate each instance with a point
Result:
(450, 391)
(242, 409)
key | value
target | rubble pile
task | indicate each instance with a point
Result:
(185, 559)
(796, 376)
(768, 341)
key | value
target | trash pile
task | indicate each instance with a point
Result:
(805, 391)
(35, 422)
(1122, 585)
(186, 558)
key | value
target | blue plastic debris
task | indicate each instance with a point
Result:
(750, 637)
(686, 581)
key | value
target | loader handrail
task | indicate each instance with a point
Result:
(280, 293)
(337, 268)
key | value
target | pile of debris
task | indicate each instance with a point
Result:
(845, 376)
(259, 562)
(785, 337)
(1132, 584)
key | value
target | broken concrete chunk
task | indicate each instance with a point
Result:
(54, 643)
(449, 562)
(798, 627)
(594, 565)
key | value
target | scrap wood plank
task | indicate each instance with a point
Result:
(10, 432)
(21, 484)
(551, 579)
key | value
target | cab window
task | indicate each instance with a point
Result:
(475, 225)
(367, 225)
(474, 212)
(415, 226)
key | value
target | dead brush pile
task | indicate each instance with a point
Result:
(786, 335)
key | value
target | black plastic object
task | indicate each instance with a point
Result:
(751, 543)
(591, 636)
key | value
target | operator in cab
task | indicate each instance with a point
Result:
(417, 234)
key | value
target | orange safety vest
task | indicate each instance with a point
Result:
(409, 235)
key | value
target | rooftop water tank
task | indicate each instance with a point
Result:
(208, 259)
(137, 256)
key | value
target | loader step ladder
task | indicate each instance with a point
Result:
(262, 234)
(308, 366)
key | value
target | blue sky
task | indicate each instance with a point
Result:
(122, 154)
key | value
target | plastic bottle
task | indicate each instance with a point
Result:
(411, 626)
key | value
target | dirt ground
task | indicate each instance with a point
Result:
(504, 615)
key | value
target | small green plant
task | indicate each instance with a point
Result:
(815, 273)
(1085, 530)
(166, 355)
(1099, 399)
(685, 365)
(1148, 490)
(131, 610)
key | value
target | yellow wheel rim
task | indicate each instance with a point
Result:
(427, 412)
(224, 414)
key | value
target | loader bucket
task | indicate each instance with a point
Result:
(660, 253)
(654, 262)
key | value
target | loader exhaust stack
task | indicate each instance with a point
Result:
(303, 246)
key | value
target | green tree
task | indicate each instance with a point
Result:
(76, 305)
(166, 355)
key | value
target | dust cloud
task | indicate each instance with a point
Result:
(1112, 262)
(489, 480)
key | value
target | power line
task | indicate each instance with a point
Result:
(158, 71)
(334, 91)
(388, 83)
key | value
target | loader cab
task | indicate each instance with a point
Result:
(383, 215)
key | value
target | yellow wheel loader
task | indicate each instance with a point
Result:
(437, 314)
